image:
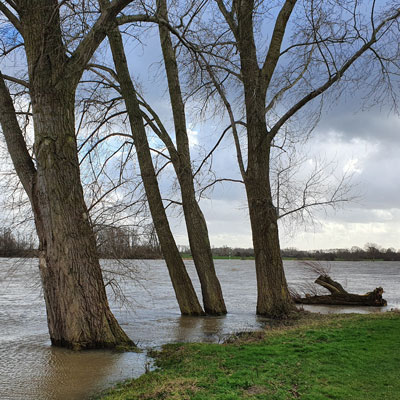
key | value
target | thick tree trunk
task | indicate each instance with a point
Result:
(77, 309)
(195, 222)
(273, 297)
(78, 313)
(185, 294)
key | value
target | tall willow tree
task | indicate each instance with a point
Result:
(312, 48)
(184, 291)
(277, 58)
(78, 313)
(180, 156)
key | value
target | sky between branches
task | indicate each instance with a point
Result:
(362, 142)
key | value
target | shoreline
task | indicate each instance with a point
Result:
(309, 355)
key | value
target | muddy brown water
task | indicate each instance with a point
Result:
(30, 369)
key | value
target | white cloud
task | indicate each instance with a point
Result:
(345, 235)
(353, 166)
(193, 137)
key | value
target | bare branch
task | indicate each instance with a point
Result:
(336, 77)
(89, 44)
(16, 80)
(274, 50)
(15, 140)
(11, 17)
(216, 145)
(219, 181)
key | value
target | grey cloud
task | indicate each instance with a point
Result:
(374, 125)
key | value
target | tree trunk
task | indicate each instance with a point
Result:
(200, 247)
(185, 294)
(78, 313)
(77, 309)
(195, 222)
(273, 299)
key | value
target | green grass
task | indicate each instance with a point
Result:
(316, 357)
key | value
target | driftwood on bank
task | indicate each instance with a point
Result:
(339, 296)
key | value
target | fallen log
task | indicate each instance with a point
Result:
(339, 296)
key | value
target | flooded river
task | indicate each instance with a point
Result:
(30, 369)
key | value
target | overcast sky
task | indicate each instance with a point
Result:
(367, 144)
(364, 143)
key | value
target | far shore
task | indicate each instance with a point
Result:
(189, 257)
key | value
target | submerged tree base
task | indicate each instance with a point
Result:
(215, 313)
(279, 310)
(282, 315)
(194, 314)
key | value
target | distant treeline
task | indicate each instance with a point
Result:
(128, 243)
(112, 242)
(16, 245)
(369, 252)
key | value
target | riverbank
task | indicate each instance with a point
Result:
(311, 357)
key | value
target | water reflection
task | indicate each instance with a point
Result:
(32, 371)
(74, 375)
(207, 329)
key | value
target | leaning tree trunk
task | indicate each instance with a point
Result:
(200, 247)
(184, 291)
(196, 225)
(78, 313)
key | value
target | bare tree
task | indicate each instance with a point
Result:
(180, 157)
(77, 309)
(184, 291)
(315, 48)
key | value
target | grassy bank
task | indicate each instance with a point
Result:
(313, 357)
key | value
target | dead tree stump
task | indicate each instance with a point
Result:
(339, 296)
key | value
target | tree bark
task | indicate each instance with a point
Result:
(78, 312)
(195, 222)
(213, 299)
(77, 309)
(273, 298)
(184, 292)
